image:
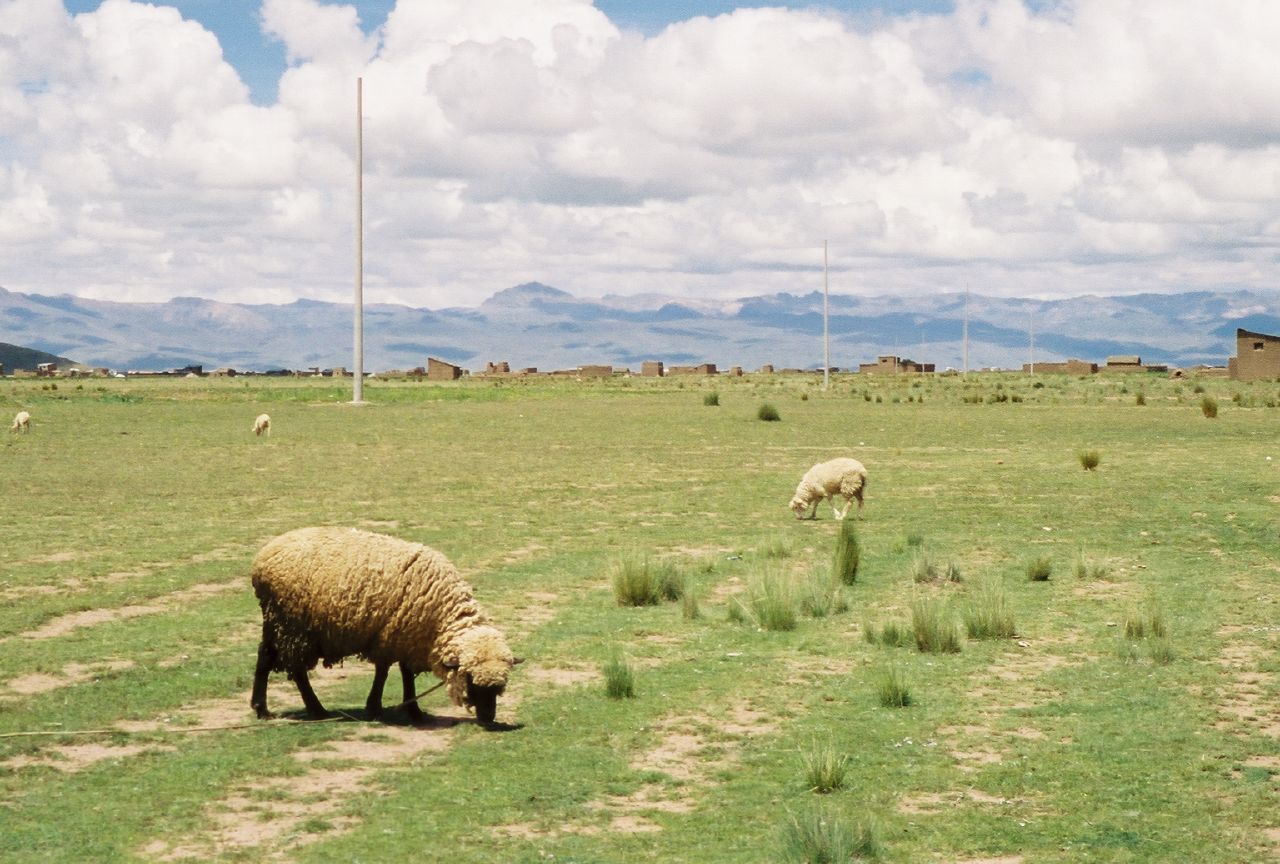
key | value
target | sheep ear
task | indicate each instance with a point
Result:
(516, 661)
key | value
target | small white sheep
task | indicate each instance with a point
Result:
(845, 477)
(262, 424)
(21, 422)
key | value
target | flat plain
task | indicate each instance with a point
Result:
(1134, 715)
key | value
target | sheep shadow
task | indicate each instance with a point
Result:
(396, 718)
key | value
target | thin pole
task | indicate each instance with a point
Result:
(965, 349)
(357, 388)
(826, 332)
(1032, 319)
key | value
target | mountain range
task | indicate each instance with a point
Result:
(536, 325)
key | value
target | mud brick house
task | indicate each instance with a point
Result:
(1257, 356)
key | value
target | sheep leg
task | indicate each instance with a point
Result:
(373, 705)
(258, 701)
(314, 708)
(416, 713)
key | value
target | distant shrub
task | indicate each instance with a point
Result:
(824, 767)
(768, 413)
(769, 602)
(1209, 406)
(933, 629)
(923, 569)
(1039, 569)
(689, 609)
(619, 679)
(639, 582)
(1146, 624)
(1089, 459)
(987, 614)
(820, 596)
(892, 689)
(1085, 568)
(776, 546)
(915, 539)
(712, 398)
(1140, 399)
(804, 397)
(848, 555)
(824, 838)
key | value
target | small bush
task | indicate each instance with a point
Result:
(1089, 459)
(818, 837)
(820, 596)
(892, 635)
(712, 398)
(892, 689)
(933, 630)
(922, 567)
(619, 679)
(824, 767)
(638, 582)
(987, 614)
(915, 539)
(768, 413)
(1040, 569)
(848, 554)
(769, 602)
(1147, 624)
(1087, 569)
(1140, 399)
(1209, 406)
(689, 609)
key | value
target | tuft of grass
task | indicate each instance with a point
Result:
(1089, 459)
(1140, 399)
(769, 602)
(915, 540)
(768, 413)
(1209, 406)
(820, 837)
(619, 679)
(824, 767)
(689, 609)
(1039, 569)
(777, 546)
(711, 399)
(932, 628)
(1087, 569)
(1161, 651)
(922, 567)
(892, 634)
(892, 689)
(639, 582)
(848, 554)
(987, 614)
(1148, 623)
(820, 596)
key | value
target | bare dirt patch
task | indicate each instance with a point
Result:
(559, 676)
(65, 624)
(71, 758)
(1246, 705)
(72, 673)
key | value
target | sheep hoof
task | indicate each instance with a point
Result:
(264, 714)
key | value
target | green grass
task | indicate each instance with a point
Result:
(822, 837)
(987, 613)
(1039, 569)
(933, 627)
(1089, 459)
(768, 413)
(638, 581)
(141, 504)
(824, 767)
(619, 678)
(892, 690)
(848, 554)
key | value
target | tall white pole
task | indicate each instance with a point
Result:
(964, 362)
(1032, 326)
(357, 389)
(826, 332)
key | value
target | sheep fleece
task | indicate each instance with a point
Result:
(330, 593)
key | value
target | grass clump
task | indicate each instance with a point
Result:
(1086, 568)
(1209, 406)
(892, 634)
(820, 596)
(777, 546)
(848, 554)
(639, 582)
(925, 569)
(1089, 459)
(711, 399)
(1039, 569)
(932, 628)
(619, 678)
(892, 689)
(1146, 624)
(768, 413)
(818, 837)
(689, 608)
(987, 614)
(824, 767)
(769, 602)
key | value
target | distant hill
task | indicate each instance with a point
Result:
(15, 357)
(537, 325)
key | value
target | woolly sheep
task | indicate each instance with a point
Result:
(262, 423)
(21, 422)
(846, 477)
(331, 593)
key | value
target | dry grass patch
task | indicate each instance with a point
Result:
(70, 674)
(64, 624)
(70, 758)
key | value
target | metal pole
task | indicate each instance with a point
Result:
(965, 360)
(357, 389)
(826, 333)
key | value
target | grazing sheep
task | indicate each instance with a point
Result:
(846, 477)
(330, 593)
(262, 423)
(21, 422)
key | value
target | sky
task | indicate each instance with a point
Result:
(704, 150)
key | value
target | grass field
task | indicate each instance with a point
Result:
(1134, 715)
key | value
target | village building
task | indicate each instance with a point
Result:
(651, 369)
(1069, 367)
(439, 370)
(1257, 356)
(700, 369)
(893, 365)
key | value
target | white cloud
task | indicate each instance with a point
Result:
(1092, 146)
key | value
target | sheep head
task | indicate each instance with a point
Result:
(481, 664)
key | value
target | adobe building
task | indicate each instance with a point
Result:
(1257, 356)
(651, 369)
(701, 369)
(1070, 367)
(595, 371)
(889, 364)
(439, 370)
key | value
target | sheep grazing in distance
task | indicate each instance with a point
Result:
(845, 477)
(331, 593)
(21, 422)
(262, 423)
